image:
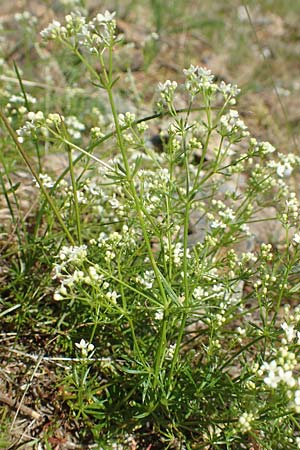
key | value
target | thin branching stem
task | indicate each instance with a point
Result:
(35, 175)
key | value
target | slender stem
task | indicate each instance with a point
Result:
(75, 197)
(95, 325)
(108, 83)
(203, 154)
(35, 176)
(186, 295)
(15, 220)
(35, 141)
(161, 349)
(94, 144)
(121, 145)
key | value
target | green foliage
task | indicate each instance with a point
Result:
(175, 319)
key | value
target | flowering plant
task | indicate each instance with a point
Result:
(181, 310)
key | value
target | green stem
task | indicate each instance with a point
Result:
(15, 220)
(75, 197)
(108, 83)
(35, 141)
(186, 296)
(35, 176)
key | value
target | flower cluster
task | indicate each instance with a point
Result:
(31, 125)
(232, 126)
(200, 79)
(280, 370)
(26, 19)
(229, 91)
(290, 214)
(53, 31)
(146, 279)
(167, 91)
(84, 347)
(283, 370)
(245, 422)
(174, 251)
(117, 242)
(73, 254)
(16, 104)
(285, 165)
(75, 127)
(49, 125)
(95, 34)
(127, 119)
(68, 269)
(46, 180)
(152, 184)
(261, 148)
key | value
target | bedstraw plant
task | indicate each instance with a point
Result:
(180, 320)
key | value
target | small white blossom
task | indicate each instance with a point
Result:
(167, 90)
(106, 17)
(53, 31)
(112, 296)
(146, 279)
(46, 181)
(75, 127)
(296, 238)
(199, 79)
(126, 119)
(289, 331)
(73, 254)
(284, 170)
(159, 315)
(84, 347)
(232, 126)
(54, 119)
(245, 422)
(170, 351)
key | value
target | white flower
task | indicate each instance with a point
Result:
(53, 30)
(106, 17)
(147, 279)
(35, 116)
(159, 315)
(232, 124)
(85, 347)
(93, 273)
(74, 126)
(73, 254)
(46, 180)
(228, 89)
(245, 421)
(112, 296)
(170, 351)
(286, 377)
(296, 238)
(126, 119)
(199, 293)
(167, 90)
(217, 224)
(289, 331)
(199, 79)
(272, 379)
(266, 147)
(241, 331)
(284, 170)
(54, 119)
